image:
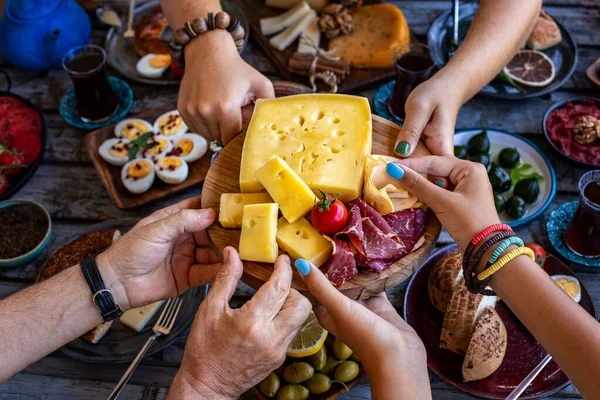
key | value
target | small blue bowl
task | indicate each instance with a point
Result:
(37, 250)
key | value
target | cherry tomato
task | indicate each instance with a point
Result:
(329, 215)
(538, 251)
(29, 146)
(3, 184)
(11, 162)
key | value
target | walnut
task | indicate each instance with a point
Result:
(587, 130)
(335, 20)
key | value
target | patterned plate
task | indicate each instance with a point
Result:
(68, 105)
(558, 222)
(381, 100)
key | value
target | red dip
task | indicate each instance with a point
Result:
(560, 125)
(24, 226)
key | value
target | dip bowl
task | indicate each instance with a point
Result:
(39, 248)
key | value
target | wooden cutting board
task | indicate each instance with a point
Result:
(223, 177)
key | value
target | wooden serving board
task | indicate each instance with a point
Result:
(359, 78)
(223, 177)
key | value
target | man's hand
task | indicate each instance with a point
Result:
(216, 85)
(231, 350)
(162, 256)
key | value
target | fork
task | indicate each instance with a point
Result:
(129, 32)
(163, 326)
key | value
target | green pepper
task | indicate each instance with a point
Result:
(503, 78)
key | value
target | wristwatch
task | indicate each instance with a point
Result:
(102, 297)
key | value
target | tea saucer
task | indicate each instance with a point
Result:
(68, 105)
(558, 222)
(381, 101)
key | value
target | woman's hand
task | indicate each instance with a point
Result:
(231, 350)
(466, 210)
(392, 353)
(431, 110)
(216, 84)
(161, 256)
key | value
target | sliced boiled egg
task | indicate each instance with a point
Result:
(138, 176)
(115, 151)
(570, 285)
(189, 147)
(171, 170)
(153, 65)
(132, 128)
(160, 146)
(170, 124)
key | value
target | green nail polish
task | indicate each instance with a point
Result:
(403, 148)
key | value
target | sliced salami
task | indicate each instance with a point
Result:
(342, 264)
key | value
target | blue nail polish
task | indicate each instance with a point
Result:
(439, 183)
(395, 171)
(302, 266)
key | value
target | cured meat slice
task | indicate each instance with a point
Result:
(378, 245)
(370, 265)
(353, 228)
(408, 224)
(342, 264)
(366, 211)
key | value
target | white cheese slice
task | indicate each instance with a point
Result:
(269, 26)
(312, 34)
(285, 38)
(137, 318)
(316, 5)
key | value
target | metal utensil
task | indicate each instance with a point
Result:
(108, 16)
(163, 326)
(454, 41)
(514, 395)
(129, 32)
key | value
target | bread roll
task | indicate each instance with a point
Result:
(443, 279)
(97, 333)
(487, 347)
(545, 33)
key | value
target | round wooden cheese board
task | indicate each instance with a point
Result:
(223, 177)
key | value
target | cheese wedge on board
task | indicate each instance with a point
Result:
(287, 189)
(312, 34)
(232, 206)
(285, 38)
(324, 138)
(258, 241)
(137, 318)
(271, 25)
(302, 240)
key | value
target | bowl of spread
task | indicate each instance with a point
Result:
(26, 229)
(573, 128)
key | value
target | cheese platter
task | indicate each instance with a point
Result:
(296, 147)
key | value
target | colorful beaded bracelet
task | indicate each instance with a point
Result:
(505, 260)
(191, 29)
(502, 247)
(479, 237)
(469, 270)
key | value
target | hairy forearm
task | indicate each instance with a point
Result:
(43, 317)
(499, 29)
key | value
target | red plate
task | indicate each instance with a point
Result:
(9, 103)
(523, 352)
(20, 120)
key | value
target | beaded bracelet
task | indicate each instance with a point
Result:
(505, 260)
(191, 29)
(469, 270)
(501, 248)
(479, 237)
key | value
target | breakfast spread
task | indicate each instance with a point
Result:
(570, 285)
(24, 226)
(545, 33)
(311, 155)
(145, 151)
(574, 128)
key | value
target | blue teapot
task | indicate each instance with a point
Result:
(36, 34)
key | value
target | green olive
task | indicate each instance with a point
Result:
(354, 358)
(298, 372)
(270, 385)
(340, 350)
(318, 384)
(318, 359)
(330, 365)
(293, 392)
(329, 341)
(346, 371)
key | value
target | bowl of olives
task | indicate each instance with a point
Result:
(521, 176)
(325, 375)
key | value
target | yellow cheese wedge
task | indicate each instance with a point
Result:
(258, 241)
(378, 30)
(323, 137)
(302, 240)
(232, 206)
(137, 318)
(381, 191)
(286, 188)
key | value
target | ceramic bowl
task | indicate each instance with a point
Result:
(37, 250)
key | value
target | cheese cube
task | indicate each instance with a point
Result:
(302, 240)
(258, 241)
(287, 189)
(324, 138)
(137, 318)
(232, 205)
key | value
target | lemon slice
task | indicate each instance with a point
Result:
(531, 68)
(309, 340)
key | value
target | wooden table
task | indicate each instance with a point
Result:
(67, 184)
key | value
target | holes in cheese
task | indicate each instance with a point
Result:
(345, 126)
(301, 240)
(258, 240)
(294, 197)
(232, 206)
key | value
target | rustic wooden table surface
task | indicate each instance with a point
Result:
(67, 184)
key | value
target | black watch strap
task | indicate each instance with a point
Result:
(101, 296)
